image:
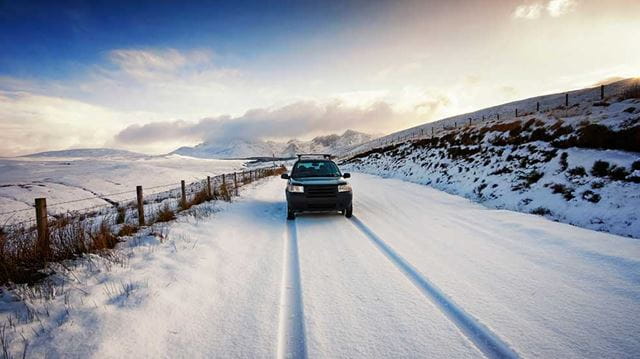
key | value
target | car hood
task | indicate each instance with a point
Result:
(318, 181)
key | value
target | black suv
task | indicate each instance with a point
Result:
(316, 185)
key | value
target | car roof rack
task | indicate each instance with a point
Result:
(314, 155)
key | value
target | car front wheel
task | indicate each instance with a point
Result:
(349, 212)
(290, 214)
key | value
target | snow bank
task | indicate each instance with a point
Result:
(543, 163)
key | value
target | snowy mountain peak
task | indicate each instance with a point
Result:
(245, 148)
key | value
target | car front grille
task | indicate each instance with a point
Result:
(320, 206)
(321, 191)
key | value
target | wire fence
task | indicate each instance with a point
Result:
(52, 235)
(562, 104)
(115, 200)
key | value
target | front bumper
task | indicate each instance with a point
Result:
(301, 202)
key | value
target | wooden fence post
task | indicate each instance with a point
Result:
(498, 116)
(537, 106)
(183, 199)
(44, 246)
(140, 205)
(469, 122)
(516, 112)
(224, 181)
(209, 194)
(235, 182)
(566, 100)
(601, 92)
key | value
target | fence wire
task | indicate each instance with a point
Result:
(156, 196)
(538, 105)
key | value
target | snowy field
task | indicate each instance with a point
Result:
(416, 273)
(114, 178)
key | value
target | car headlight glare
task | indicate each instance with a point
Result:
(344, 188)
(295, 188)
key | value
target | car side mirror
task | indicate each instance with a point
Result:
(284, 176)
(346, 175)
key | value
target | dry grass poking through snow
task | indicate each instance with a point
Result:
(75, 234)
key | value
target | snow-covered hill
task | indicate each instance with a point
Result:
(578, 165)
(88, 153)
(245, 148)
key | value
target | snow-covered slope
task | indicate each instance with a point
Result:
(89, 152)
(245, 148)
(579, 165)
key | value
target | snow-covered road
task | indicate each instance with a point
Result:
(415, 273)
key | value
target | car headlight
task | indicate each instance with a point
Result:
(295, 188)
(344, 188)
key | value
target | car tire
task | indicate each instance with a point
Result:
(349, 212)
(290, 214)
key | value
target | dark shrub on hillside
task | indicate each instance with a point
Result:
(601, 137)
(563, 161)
(541, 211)
(600, 168)
(577, 171)
(539, 134)
(528, 179)
(478, 190)
(458, 152)
(618, 173)
(591, 196)
(470, 138)
(561, 131)
(501, 171)
(566, 192)
(527, 125)
(631, 92)
(558, 188)
(515, 126)
(635, 166)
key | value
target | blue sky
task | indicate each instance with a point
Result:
(90, 73)
(55, 39)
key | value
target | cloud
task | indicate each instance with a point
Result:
(529, 12)
(294, 120)
(148, 64)
(555, 8)
(30, 123)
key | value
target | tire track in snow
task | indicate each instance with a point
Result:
(481, 336)
(291, 336)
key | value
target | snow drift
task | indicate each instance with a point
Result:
(578, 164)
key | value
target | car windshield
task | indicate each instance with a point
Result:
(315, 169)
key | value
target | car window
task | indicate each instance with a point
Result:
(315, 169)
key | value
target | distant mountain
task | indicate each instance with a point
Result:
(236, 148)
(242, 148)
(88, 152)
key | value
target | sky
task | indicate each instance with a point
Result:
(151, 76)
